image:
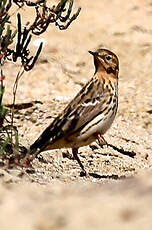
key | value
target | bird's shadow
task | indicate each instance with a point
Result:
(131, 154)
(98, 176)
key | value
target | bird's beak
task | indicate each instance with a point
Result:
(92, 53)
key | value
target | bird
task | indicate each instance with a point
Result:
(89, 115)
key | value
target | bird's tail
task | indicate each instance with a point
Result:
(30, 156)
(41, 143)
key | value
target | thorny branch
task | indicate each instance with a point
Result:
(4, 9)
(21, 50)
(60, 14)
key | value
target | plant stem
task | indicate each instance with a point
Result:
(15, 86)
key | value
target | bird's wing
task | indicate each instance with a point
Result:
(83, 108)
(93, 100)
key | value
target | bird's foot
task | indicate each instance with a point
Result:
(68, 155)
(102, 141)
(84, 174)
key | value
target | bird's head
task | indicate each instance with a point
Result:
(105, 60)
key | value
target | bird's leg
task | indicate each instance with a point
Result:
(75, 155)
(101, 140)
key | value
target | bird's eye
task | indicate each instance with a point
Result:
(108, 58)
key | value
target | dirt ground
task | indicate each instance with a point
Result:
(53, 195)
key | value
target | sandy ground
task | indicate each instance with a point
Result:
(53, 195)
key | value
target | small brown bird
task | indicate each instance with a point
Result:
(89, 115)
